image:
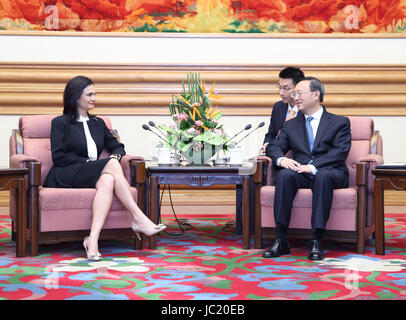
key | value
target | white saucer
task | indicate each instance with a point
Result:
(236, 163)
(165, 163)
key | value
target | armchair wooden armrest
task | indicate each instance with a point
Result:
(138, 180)
(21, 160)
(364, 182)
(372, 160)
(265, 170)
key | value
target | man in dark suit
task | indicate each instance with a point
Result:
(320, 142)
(284, 109)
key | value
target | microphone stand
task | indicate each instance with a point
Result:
(152, 124)
(247, 127)
(147, 128)
(259, 126)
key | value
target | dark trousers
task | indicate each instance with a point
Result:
(322, 185)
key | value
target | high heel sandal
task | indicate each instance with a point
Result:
(91, 256)
(137, 229)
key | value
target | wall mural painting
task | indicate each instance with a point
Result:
(206, 16)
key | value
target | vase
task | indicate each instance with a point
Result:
(201, 156)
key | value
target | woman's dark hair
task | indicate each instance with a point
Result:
(72, 93)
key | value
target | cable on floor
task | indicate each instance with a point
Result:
(181, 222)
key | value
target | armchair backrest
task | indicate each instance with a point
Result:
(362, 129)
(35, 131)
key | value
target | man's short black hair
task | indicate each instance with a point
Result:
(292, 73)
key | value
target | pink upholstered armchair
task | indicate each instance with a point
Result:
(352, 213)
(58, 214)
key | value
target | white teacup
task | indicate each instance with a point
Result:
(164, 155)
(236, 156)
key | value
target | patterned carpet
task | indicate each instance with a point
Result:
(205, 263)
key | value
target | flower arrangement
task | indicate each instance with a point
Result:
(196, 131)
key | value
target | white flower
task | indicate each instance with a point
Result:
(124, 264)
(365, 264)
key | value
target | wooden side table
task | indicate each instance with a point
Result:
(14, 178)
(385, 179)
(201, 176)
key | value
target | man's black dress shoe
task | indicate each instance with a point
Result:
(278, 248)
(316, 250)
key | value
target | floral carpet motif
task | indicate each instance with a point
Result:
(205, 263)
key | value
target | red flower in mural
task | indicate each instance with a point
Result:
(98, 9)
(384, 12)
(159, 7)
(258, 9)
(21, 9)
(316, 10)
(9, 10)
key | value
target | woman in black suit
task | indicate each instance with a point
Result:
(77, 140)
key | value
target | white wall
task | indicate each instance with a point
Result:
(210, 50)
(202, 50)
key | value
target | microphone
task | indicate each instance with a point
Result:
(152, 124)
(260, 125)
(247, 127)
(147, 128)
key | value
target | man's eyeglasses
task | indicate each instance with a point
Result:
(299, 93)
(283, 88)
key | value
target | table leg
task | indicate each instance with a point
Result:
(379, 217)
(153, 207)
(21, 219)
(245, 219)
